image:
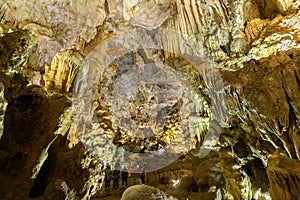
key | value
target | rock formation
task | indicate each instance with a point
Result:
(144, 192)
(202, 95)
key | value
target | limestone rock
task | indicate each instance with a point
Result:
(60, 73)
(72, 23)
(22, 142)
(207, 172)
(284, 176)
(128, 81)
(3, 105)
(145, 192)
(277, 120)
(146, 13)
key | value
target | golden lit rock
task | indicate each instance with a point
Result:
(195, 98)
(59, 75)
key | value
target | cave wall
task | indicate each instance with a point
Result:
(254, 44)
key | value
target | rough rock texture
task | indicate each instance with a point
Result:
(34, 161)
(60, 74)
(284, 175)
(215, 83)
(21, 142)
(70, 23)
(271, 83)
(145, 192)
(3, 105)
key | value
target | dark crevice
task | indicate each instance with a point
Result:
(225, 49)
(257, 173)
(242, 149)
(106, 6)
(42, 180)
(268, 9)
(143, 54)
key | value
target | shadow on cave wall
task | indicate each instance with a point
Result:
(30, 121)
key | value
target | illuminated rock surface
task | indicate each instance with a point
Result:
(144, 192)
(206, 94)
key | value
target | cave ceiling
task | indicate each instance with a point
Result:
(203, 94)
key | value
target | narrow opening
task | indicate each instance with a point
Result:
(41, 181)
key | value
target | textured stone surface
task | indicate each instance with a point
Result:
(22, 142)
(283, 174)
(269, 88)
(120, 94)
(60, 73)
(3, 105)
(71, 23)
(144, 192)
